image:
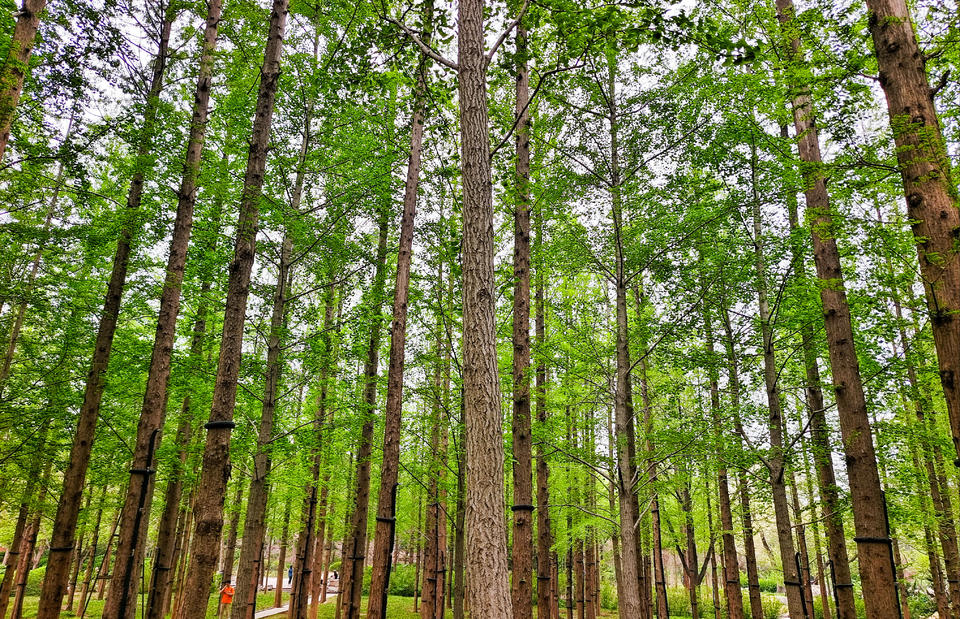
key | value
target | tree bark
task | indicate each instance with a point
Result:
(877, 571)
(251, 550)
(281, 560)
(488, 580)
(776, 461)
(16, 64)
(522, 587)
(545, 583)
(831, 508)
(749, 546)
(135, 514)
(352, 574)
(65, 522)
(927, 185)
(216, 454)
(731, 565)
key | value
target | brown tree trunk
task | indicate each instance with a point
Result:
(281, 560)
(15, 66)
(78, 556)
(135, 514)
(629, 594)
(459, 536)
(65, 522)
(831, 508)
(29, 544)
(91, 557)
(522, 587)
(877, 572)
(216, 455)
(731, 565)
(488, 579)
(230, 543)
(393, 407)
(251, 550)
(545, 583)
(749, 546)
(930, 193)
(776, 461)
(691, 562)
(435, 560)
(352, 573)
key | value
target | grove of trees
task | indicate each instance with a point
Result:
(488, 309)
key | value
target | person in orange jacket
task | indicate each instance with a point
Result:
(226, 599)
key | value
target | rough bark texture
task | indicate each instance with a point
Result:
(135, 515)
(522, 586)
(16, 64)
(65, 522)
(353, 563)
(930, 193)
(545, 584)
(776, 461)
(216, 455)
(281, 560)
(831, 508)
(486, 560)
(251, 549)
(628, 594)
(877, 572)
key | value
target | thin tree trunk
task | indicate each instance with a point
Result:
(281, 560)
(522, 587)
(927, 185)
(488, 580)
(29, 544)
(731, 565)
(16, 64)
(820, 435)
(544, 524)
(78, 556)
(352, 574)
(775, 463)
(749, 546)
(629, 594)
(65, 521)
(216, 455)
(251, 550)
(877, 572)
(135, 515)
(459, 541)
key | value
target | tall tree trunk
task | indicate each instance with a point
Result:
(831, 508)
(545, 583)
(629, 594)
(488, 580)
(435, 564)
(251, 550)
(393, 407)
(776, 461)
(135, 515)
(216, 455)
(65, 522)
(877, 572)
(749, 547)
(78, 556)
(731, 565)
(927, 185)
(352, 574)
(15, 65)
(522, 587)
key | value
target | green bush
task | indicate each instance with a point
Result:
(768, 585)
(772, 607)
(401, 579)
